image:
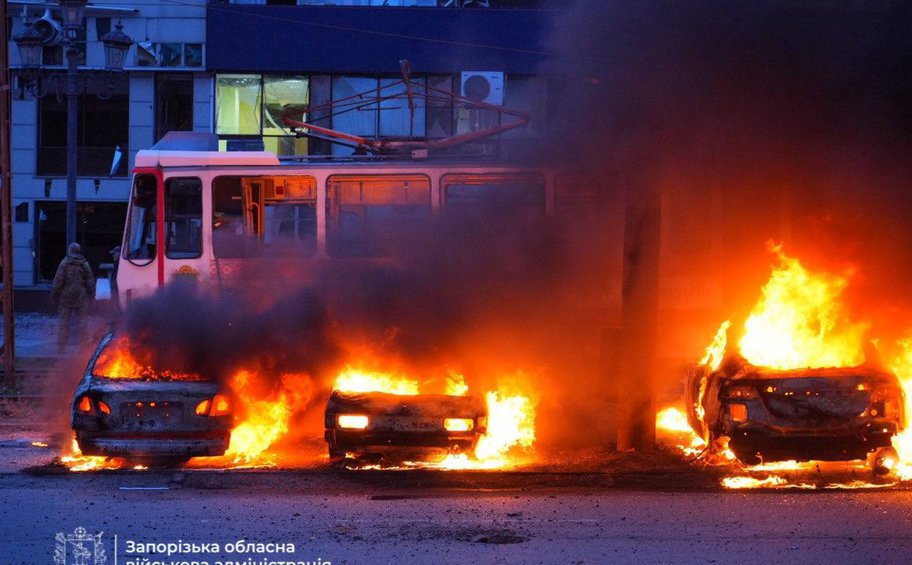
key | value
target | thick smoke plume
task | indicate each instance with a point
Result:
(784, 121)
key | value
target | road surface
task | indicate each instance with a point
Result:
(337, 516)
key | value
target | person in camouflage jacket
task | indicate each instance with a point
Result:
(73, 288)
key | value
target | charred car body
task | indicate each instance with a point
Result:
(826, 414)
(154, 417)
(375, 424)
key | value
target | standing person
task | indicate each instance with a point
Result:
(74, 286)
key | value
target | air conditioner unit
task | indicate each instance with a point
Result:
(486, 86)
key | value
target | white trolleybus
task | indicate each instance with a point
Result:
(210, 215)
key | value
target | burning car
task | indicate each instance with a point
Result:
(827, 414)
(124, 409)
(385, 425)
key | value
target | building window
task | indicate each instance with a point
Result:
(173, 103)
(149, 54)
(102, 126)
(281, 93)
(253, 105)
(238, 105)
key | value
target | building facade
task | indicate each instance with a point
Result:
(235, 69)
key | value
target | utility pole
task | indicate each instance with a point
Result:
(6, 203)
(639, 313)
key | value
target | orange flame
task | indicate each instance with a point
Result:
(77, 462)
(511, 423)
(712, 358)
(118, 361)
(902, 442)
(799, 321)
(358, 380)
(265, 419)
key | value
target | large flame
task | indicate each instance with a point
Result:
(264, 418)
(511, 423)
(799, 321)
(360, 380)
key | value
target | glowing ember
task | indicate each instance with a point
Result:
(355, 380)
(799, 322)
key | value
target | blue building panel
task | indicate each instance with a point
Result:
(365, 40)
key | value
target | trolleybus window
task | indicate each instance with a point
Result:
(368, 213)
(252, 216)
(505, 195)
(183, 218)
(140, 237)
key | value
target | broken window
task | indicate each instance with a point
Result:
(102, 126)
(173, 103)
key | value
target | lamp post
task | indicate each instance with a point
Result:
(30, 43)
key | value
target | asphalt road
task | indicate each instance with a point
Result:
(337, 516)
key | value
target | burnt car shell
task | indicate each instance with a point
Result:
(146, 419)
(402, 426)
(826, 414)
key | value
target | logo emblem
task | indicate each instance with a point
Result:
(186, 271)
(79, 548)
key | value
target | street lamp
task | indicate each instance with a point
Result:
(30, 44)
